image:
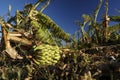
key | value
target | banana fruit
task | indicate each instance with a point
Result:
(46, 54)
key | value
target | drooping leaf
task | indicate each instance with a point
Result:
(114, 28)
(97, 10)
(115, 18)
(52, 26)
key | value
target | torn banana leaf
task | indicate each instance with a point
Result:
(53, 27)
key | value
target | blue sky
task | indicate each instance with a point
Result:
(63, 12)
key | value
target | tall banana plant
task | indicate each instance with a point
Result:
(102, 31)
(93, 26)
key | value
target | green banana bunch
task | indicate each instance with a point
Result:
(46, 54)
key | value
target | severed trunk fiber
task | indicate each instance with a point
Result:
(4, 37)
(8, 48)
(16, 37)
(24, 41)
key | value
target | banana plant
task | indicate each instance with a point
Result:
(85, 36)
(93, 33)
(31, 18)
(31, 27)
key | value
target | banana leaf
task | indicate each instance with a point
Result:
(52, 26)
(114, 28)
(115, 18)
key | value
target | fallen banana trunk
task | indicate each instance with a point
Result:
(14, 34)
(24, 41)
(15, 37)
(13, 53)
(8, 48)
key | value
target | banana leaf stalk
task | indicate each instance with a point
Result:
(97, 11)
(106, 23)
(94, 23)
(85, 36)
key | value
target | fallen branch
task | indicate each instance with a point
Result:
(14, 34)
(24, 41)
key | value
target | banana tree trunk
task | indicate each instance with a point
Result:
(105, 28)
(8, 49)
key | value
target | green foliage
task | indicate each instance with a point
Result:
(93, 32)
(31, 18)
(54, 28)
(114, 36)
(41, 33)
(115, 18)
(114, 28)
(97, 32)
